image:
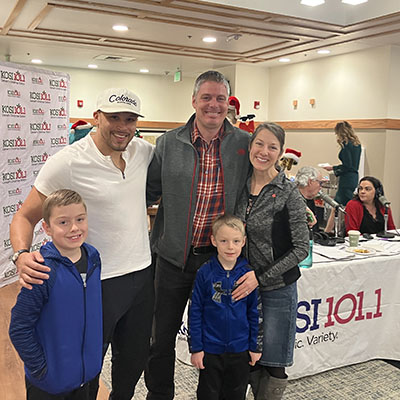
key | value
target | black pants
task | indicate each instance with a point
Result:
(173, 287)
(34, 393)
(128, 303)
(224, 376)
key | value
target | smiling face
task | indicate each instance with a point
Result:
(229, 242)
(265, 151)
(68, 228)
(211, 105)
(366, 192)
(114, 130)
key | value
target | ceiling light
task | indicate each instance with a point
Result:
(312, 3)
(283, 59)
(209, 39)
(354, 2)
(92, 66)
(144, 70)
(36, 61)
(120, 28)
(323, 51)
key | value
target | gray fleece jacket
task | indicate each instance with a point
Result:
(277, 232)
(173, 175)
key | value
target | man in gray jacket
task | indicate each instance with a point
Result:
(198, 170)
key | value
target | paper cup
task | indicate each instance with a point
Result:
(354, 237)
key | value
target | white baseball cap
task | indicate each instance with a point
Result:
(119, 100)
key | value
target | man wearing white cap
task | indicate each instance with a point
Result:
(108, 168)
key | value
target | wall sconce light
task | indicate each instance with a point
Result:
(312, 102)
(295, 102)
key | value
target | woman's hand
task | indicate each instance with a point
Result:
(247, 283)
(254, 357)
(328, 168)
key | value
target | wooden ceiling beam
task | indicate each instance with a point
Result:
(212, 56)
(40, 17)
(13, 16)
(193, 22)
(336, 43)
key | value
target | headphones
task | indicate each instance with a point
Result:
(376, 183)
(379, 190)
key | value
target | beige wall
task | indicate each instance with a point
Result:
(390, 175)
(364, 84)
(252, 83)
(394, 84)
(346, 86)
(162, 99)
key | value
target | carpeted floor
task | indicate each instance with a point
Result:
(372, 380)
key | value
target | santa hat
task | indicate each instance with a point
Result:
(79, 130)
(80, 124)
(234, 104)
(293, 155)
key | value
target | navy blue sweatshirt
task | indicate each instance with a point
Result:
(217, 324)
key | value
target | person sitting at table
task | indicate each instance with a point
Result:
(309, 180)
(364, 212)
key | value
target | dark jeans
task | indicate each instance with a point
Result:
(173, 287)
(34, 393)
(224, 376)
(128, 303)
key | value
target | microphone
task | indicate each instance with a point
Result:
(384, 201)
(331, 202)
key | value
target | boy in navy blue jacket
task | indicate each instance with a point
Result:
(223, 332)
(56, 327)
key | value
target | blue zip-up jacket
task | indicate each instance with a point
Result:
(217, 324)
(56, 327)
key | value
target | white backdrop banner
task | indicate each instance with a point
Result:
(34, 124)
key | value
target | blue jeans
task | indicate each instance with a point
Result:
(279, 323)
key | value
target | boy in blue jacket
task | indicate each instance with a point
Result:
(223, 332)
(56, 327)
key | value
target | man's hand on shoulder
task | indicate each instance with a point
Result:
(31, 270)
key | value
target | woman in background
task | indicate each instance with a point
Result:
(365, 212)
(347, 171)
(277, 240)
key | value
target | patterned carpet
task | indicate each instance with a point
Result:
(372, 380)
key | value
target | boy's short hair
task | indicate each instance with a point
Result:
(229, 220)
(59, 198)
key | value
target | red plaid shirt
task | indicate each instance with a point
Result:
(210, 187)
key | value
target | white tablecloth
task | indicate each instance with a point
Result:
(348, 310)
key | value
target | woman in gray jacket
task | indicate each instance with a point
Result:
(277, 240)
